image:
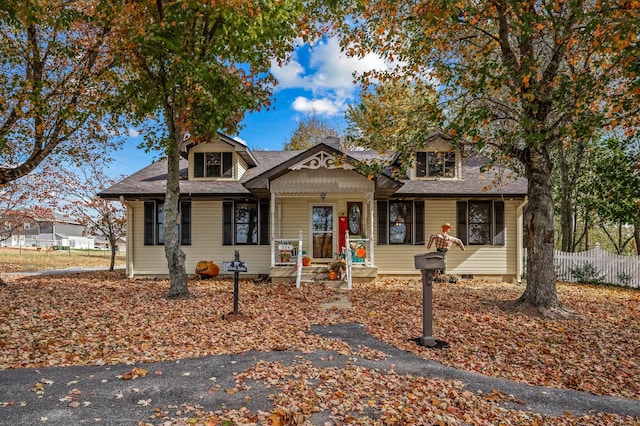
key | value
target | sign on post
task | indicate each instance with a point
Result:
(234, 266)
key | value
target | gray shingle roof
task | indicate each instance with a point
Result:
(150, 181)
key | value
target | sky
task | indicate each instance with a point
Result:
(318, 79)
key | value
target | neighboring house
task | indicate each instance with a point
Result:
(102, 243)
(57, 231)
(261, 202)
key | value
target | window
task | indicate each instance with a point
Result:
(436, 164)
(213, 164)
(481, 222)
(401, 222)
(26, 226)
(245, 222)
(154, 223)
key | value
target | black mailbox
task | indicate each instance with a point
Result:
(429, 263)
(433, 261)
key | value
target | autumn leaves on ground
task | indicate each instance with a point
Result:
(104, 318)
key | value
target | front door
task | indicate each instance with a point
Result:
(322, 232)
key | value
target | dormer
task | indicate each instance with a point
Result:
(224, 159)
(436, 160)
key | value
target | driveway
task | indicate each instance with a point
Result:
(100, 395)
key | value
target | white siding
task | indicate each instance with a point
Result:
(293, 215)
(206, 243)
(475, 260)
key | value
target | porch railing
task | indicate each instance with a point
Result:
(286, 251)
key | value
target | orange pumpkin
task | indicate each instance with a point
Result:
(208, 268)
(306, 261)
(361, 252)
(333, 275)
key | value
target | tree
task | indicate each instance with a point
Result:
(570, 172)
(100, 216)
(26, 198)
(56, 81)
(311, 130)
(614, 190)
(395, 115)
(195, 68)
(519, 78)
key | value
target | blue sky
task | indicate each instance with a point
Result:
(318, 79)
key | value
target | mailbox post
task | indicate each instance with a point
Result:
(428, 263)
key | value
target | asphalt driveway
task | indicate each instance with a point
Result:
(99, 395)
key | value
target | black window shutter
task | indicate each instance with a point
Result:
(462, 221)
(227, 164)
(383, 223)
(498, 212)
(227, 223)
(264, 222)
(198, 164)
(418, 209)
(149, 222)
(185, 223)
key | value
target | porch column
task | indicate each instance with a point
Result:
(273, 228)
(371, 230)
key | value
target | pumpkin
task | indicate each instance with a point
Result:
(306, 261)
(207, 267)
(361, 252)
(333, 275)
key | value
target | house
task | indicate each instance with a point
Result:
(53, 230)
(102, 243)
(272, 204)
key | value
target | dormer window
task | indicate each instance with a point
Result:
(213, 164)
(435, 164)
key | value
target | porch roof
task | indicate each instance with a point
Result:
(260, 185)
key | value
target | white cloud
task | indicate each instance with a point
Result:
(133, 133)
(239, 139)
(320, 106)
(329, 76)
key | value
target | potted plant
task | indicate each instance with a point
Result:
(337, 268)
(285, 256)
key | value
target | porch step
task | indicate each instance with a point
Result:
(335, 284)
(320, 274)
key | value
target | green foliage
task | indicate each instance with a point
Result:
(204, 64)
(624, 279)
(587, 274)
(394, 116)
(57, 81)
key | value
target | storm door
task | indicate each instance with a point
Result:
(322, 232)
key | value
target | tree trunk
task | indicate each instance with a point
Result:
(636, 236)
(173, 251)
(540, 296)
(112, 264)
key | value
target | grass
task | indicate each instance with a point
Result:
(28, 260)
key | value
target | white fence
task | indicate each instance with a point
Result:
(607, 267)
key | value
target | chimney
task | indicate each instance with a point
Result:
(332, 141)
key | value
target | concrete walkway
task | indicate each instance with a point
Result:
(98, 395)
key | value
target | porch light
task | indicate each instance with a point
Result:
(323, 195)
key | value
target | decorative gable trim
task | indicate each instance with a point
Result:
(321, 160)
